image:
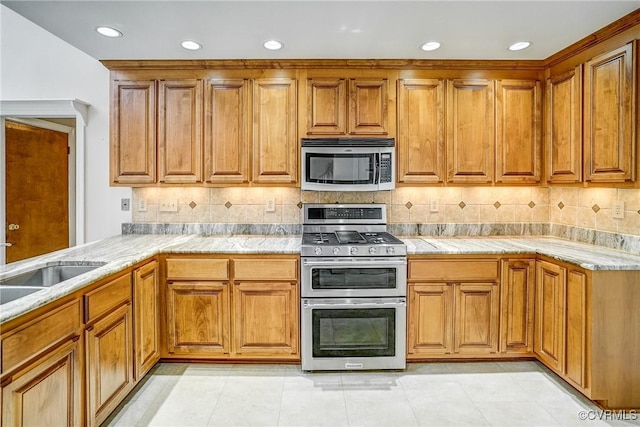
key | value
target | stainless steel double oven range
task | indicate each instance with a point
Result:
(353, 289)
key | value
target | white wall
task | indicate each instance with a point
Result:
(34, 64)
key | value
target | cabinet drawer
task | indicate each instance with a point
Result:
(451, 269)
(39, 335)
(197, 269)
(107, 297)
(264, 269)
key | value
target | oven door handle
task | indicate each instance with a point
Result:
(356, 304)
(351, 263)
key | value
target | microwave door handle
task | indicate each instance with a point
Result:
(376, 168)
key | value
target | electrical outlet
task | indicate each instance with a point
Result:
(618, 209)
(142, 205)
(124, 204)
(168, 206)
(434, 205)
(270, 206)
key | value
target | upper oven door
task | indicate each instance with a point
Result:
(340, 168)
(353, 277)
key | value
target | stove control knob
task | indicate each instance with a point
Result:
(353, 250)
(317, 250)
(336, 250)
(372, 250)
(390, 250)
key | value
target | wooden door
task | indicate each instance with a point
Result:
(477, 314)
(549, 314)
(37, 191)
(198, 318)
(133, 132)
(564, 126)
(577, 350)
(227, 131)
(470, 131)
(146, 301)
(47, 392)
(326, 107)
(109, 363)
(519, 131)
(266, 320)
(517, 299)
(180, 131)
(421, 131)
(609, 140)
(368, 106)
(275, 140)
(430, 314)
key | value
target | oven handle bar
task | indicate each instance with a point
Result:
(355, 262)
(355, 304)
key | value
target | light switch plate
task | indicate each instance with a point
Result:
(168, 206)
(124, 204)
(142, 205)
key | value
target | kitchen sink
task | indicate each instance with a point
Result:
(48, 275)
(11, 293)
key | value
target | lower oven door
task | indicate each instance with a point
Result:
(353, 333)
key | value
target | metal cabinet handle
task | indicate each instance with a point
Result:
(13, 227)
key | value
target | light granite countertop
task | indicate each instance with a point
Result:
(120, 252)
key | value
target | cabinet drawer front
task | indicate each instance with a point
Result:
(197, 269)
(265, 269)
(447, 270)
(39, 335)
(104, 299)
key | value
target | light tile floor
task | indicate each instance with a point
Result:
(426, 394)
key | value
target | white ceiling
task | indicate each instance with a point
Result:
(323, 29)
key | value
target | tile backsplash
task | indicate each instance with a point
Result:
(590, 208)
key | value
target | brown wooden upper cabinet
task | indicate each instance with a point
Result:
(133, 132)
(609, 140)
(341, 106)
(421, 131)
(470, 131)
(564, 126)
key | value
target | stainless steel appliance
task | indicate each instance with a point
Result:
(348, 164)
(353, 288)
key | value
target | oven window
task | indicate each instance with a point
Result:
(354, 332)
(353, 278)
(340, 168)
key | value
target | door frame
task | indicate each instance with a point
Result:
(59, 108)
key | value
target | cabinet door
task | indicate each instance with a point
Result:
(180, 131)
(609, 141)
(146, 300)
(421, 131)
(266, 320)
(109, 363)
(519, 131)
(517, 298)
(470, 131)
(227, 131)
(198, 318)
(430, 316)
(577, 339)
(275, 141)
(477, 317)
(549, 314)
(326, 106)
(368, 106)
(47, 392)
(564, 127)
(133, 132)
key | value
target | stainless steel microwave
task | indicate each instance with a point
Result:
(348, 164)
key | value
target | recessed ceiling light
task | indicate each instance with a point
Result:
(428, 46)
(109, 32)
(191, 45)
(273, 45)
(519, 46)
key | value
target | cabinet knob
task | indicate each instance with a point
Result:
(13, 227)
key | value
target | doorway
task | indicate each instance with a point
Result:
(38, 182)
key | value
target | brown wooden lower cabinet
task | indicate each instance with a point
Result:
(516, 306)
(233, 308)
(550, 314)
(146, 313)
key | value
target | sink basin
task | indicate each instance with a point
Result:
(11, 293)
(48, 275)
